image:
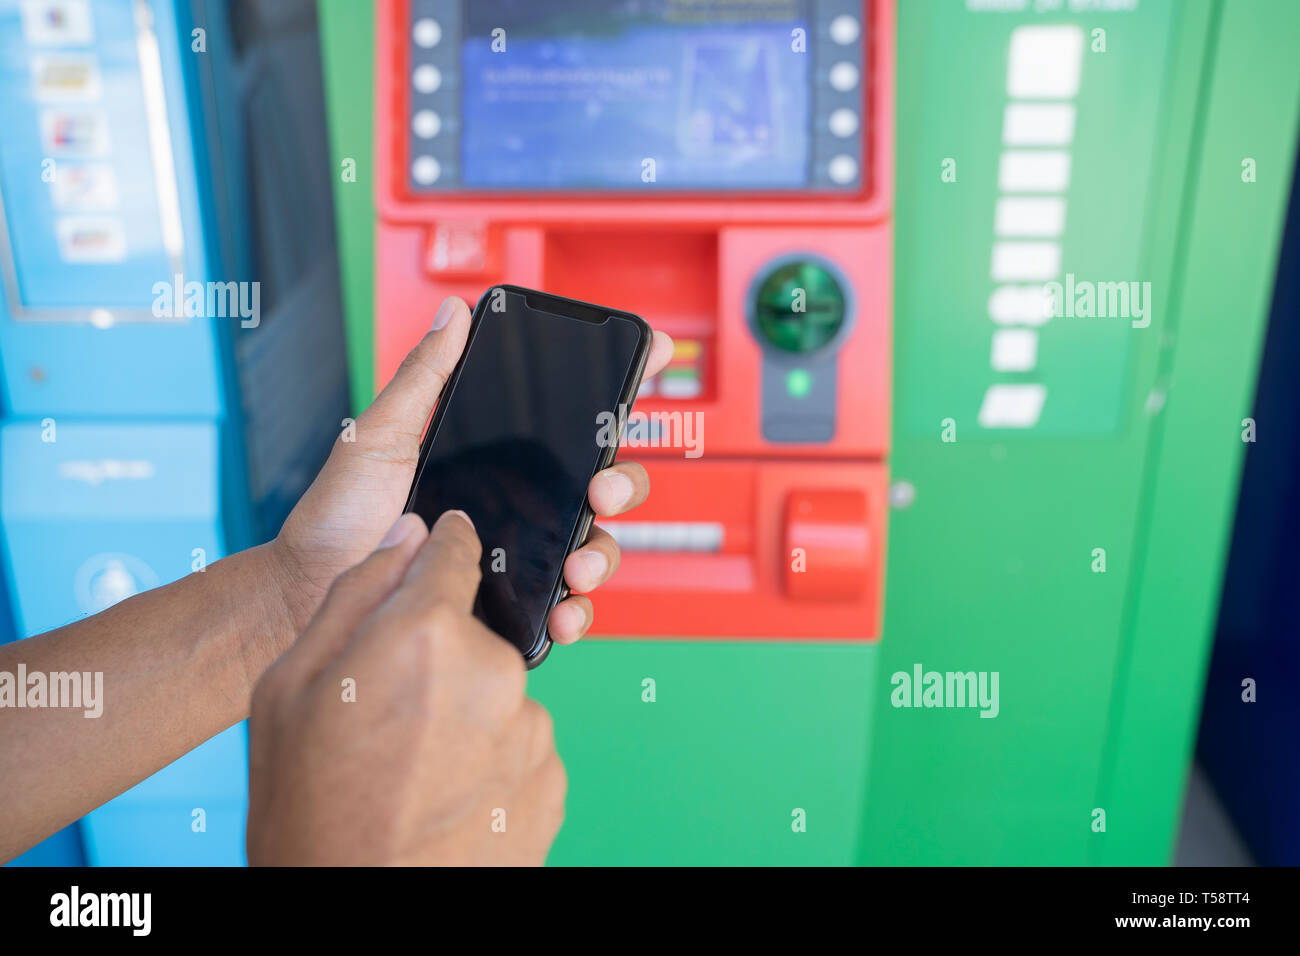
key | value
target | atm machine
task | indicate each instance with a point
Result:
(929, 568)
(139, 443)
(717, 177)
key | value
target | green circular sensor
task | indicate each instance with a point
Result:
(798, 307)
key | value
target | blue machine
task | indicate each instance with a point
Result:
(139, 440)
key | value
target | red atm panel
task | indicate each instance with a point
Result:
(767, 439)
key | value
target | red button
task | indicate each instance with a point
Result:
(827, 545)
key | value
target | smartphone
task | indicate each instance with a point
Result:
(534, 409)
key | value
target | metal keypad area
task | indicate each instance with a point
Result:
(835, 44)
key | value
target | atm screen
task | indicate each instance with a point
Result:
(620, 95)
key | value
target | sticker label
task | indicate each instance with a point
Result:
(84, 187)
(57, 23)
(74, 133)
(65, 78)
(91, 239)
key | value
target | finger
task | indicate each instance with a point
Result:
(591, 565)
(376, 458)
(425, 638)
(446, 571)
(536, 813)
(534, 790)
(618, 489)
(450, 661)
(353, 597)
(570, 619)
(661, 353)
(397, 416)
(529, 739)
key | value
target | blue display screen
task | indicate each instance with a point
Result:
(692, 94)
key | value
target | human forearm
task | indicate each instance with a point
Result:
(178, 664)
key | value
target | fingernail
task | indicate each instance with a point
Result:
(620, 488)
(595, 565)
(462, 514)
(573, 619)
(399, 532)
(444, 314)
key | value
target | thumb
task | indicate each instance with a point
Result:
(365, 481)
(375, 468)
(394, 423)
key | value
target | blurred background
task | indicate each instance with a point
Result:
(983, 547)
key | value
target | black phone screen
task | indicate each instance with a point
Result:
(520, 430)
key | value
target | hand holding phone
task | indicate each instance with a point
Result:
(521, 429)
(440, 742)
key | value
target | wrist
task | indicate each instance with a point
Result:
(285, 604)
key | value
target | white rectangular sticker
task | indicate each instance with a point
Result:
(84, 187)
(1020, 304)
(65, 78)
(1037, 216)
(1045, 62)
(1025, 261)
(91, 239)
(1012, 406)
(57, 23)
(1030, 171)
(1038, 124)
(78, 133)
(1014, 350)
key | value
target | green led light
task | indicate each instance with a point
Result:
(798, 382)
